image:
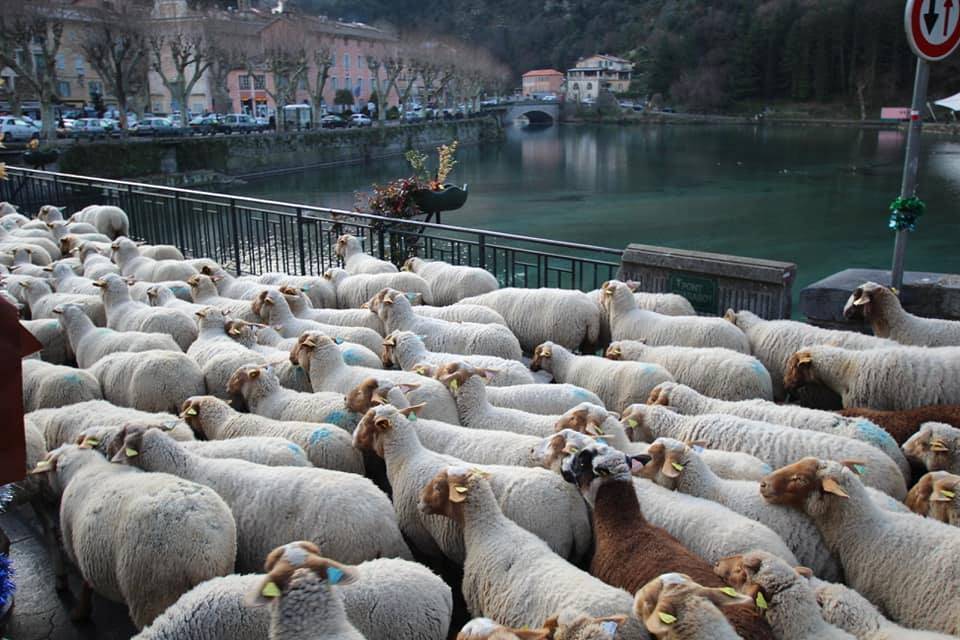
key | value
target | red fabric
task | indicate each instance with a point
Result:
(15, 343)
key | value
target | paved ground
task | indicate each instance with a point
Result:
(39, 612)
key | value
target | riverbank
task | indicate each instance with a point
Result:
(198, 161)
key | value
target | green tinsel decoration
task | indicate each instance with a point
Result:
(904, 213)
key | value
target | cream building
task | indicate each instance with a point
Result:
(591, 74)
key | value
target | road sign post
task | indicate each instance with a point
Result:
(933, 31)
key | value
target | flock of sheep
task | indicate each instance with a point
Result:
(360, 455)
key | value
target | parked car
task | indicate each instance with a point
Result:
(263, 123)
(155, 127)
(17, 129)
(332, 122)
(360, 120)
(413, 116)
(239, 122)
(88, 128)
(205, 125)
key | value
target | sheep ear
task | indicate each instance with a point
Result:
(407, 387)
(806, 572)
(334, 572)
(859, 467)
(532, 634)
(457, 492)
(489, 374)
(406, 411)
(44, 466)
(726, 596)
(254, 374)
(382, 423)
(804, 358)
(862, 299)
(830, 485)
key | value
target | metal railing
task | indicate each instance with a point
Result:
(255, 236)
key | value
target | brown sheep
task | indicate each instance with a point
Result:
(903, 424)
(630, 551)
(935, 496)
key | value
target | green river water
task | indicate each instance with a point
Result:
(814, 196)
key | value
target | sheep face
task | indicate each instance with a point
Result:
(760, 575)
(361, 398)
(935, 445)
(597, 464)
(191, 413)
(264, 302)
(809, 484)
(614, 352)
(291, 568)
(129, 441)
(310, 343)
(387, 356)
(335, 275)
(866, 301)
(633, 422)
(242, 382)
(669, 459)
(664, 600)
(345, 243)
(944, 505)
(426, 369)
(586, 418)
(614, 292)
(553, 449)
(455, 374)
(541, 357)
(660, 394)
(447, 492)
(799, 371)
(487, 629)
(571, 625)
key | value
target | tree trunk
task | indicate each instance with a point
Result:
(48, 130)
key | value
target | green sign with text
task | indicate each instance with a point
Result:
(701, 292)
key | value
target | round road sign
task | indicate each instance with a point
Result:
(933, 27)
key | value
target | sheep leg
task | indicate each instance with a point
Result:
(82, 610)
(51, 538)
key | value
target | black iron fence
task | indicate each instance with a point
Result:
(251, 235)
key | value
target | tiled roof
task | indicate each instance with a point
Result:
(542, 72)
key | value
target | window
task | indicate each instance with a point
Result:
(359, 62)
(198, 107)
(61, 61)
(79, 65)
(346, 61)
(359, 90)
(244, 83)
(260, 82)
(63, 89)
(589, 86)
(346, 83)
(95, 87)
(38, 60)
(302, 84)
(333, 83)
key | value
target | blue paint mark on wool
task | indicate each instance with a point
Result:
(296, 449)
(758, 368)
(337, 417)
(350, 357)
(581, 394)
(874, 434)
(319, 434)
(72, 378)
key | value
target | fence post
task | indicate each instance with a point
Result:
(179, 217)
(380, 244)
(235, 232)
(482, 249)
(303, 251)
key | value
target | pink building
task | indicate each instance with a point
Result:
(542, 81)
(349, 44)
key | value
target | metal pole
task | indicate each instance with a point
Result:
(911, 165)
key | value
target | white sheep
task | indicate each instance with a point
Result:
(718, 373)
(569, 318)
(628, 322)
(109, 220)
(501, 557)
(65, 280)
(56, 346)
(881, 307)
(42, 301)
(774, 444)
(257, 389)
(677, 466)
(48, 386)
(148, 380)
(774, 341)
(347, 513)
(843, 607)
(22, 264)
(319, 356)
(64, 425)
(405, 349)
(392, 598)
(355, 261)
(273, 308)
(668, 304)
(301, 307)
(161, 252)
(90, 343)
(535, 499)
(459, 313)
(125, 314)
(203, 290)
(452, 283)
(229, 286)
(784, 596)
(319, 291)
(95, 263)
(354, 291)
(127, 255)
(467, 338)
(569, 624)
(326, 446)
(935, 446)
(217, 353)
(905, 565)
(619, 384)
(674, 607)
(685, 400)
(137, 538)
(879, 379)
(159, 295)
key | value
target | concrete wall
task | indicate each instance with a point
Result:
(247, 154)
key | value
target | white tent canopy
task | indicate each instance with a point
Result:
(952, 103)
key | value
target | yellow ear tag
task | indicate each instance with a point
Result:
(95, 441)
(946, 493)
(677, 466)
(454, 384)
(460, 489)
(730, 591)
(666, 618)
(632, 422)
(761, 601)
(191, 411)
(131, 452)
(270, 590)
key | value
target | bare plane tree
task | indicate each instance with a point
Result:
(282, 52)
(115, 45)
(180, 56)
(31, 34)
(323, 60)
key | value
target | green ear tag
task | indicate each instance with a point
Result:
(412, 417)
(454, 384)
(270, 590)
(730, 591)
(947, 493)
(761, 601)
(131, 452)
(860, 469)
(632, 422)
(666, 618)
(677, 466)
